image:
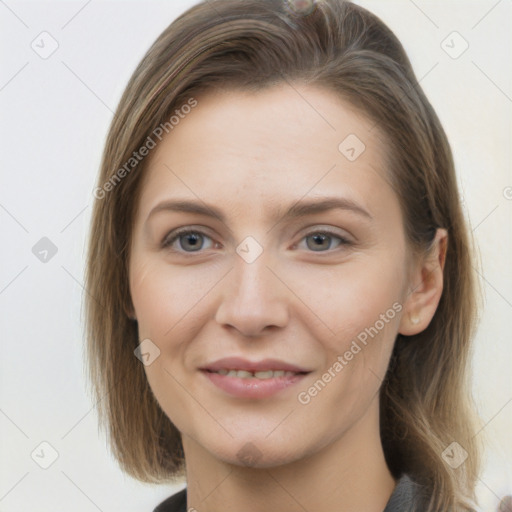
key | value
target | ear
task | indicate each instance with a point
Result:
(426, 287)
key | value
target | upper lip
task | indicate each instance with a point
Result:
(237, 363)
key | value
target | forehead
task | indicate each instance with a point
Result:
(268, 147)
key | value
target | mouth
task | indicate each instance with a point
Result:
(236, 364)
(262, 375)
(245, 379)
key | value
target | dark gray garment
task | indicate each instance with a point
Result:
(402, 498)
(400, 501)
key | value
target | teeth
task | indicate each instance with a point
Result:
(239, 373)
(244, 374)
(264, 375)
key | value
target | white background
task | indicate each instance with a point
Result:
(55, 114)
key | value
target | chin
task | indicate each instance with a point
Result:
(256, 452)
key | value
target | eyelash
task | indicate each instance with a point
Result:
(169, 240)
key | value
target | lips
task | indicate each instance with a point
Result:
(264, 374)
(255, 380)
(238, 364)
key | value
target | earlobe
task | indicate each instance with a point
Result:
(415, 319)
(426, 288)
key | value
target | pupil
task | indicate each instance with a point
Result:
(193, 240)
(319, 239)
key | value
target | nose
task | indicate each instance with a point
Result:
(254, 298)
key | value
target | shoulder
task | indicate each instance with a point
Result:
(404, 496)
(176, 503)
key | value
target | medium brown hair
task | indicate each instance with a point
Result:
(425, 399)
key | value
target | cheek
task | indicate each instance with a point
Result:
(168, 300)
(352, 298)
(361, 306)
(170, 312)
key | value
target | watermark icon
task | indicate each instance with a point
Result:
(302, 7)
(454, 45)
(147, 352)
(44, 455)
(304, 397)
(44, 250)
(45, 45)
(249, 454)
(454, 455)
(507, 193)
(351, 147)
(150, 143)
(249, 249)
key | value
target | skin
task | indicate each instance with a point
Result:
(252, 155)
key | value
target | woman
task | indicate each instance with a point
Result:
(281, 295)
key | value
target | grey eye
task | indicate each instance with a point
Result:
(321, 241)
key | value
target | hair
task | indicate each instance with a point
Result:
(425, 398)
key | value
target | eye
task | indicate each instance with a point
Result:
(189, 240)
(323, 241)
(192, 240)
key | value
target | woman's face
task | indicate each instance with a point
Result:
(279, 278)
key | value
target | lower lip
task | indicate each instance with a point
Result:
(252, 387)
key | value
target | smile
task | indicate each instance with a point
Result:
(252, 385)
(266, 374)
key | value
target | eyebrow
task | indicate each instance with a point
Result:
(297, 210)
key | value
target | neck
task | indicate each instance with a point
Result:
(348, 474)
